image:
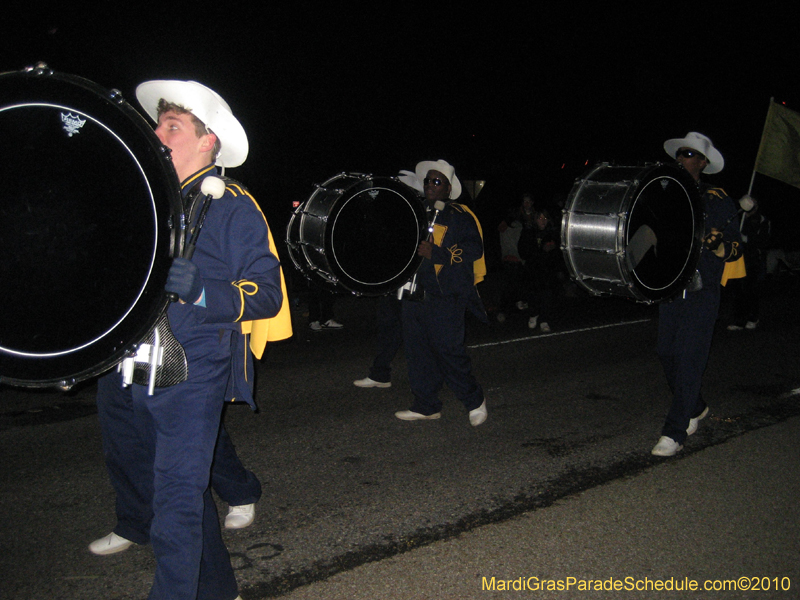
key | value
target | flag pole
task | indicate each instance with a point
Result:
(753, 176)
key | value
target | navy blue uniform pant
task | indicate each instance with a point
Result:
(685, 329)
(433, 337)
(389, 339)
(162, 448)
(234, 484)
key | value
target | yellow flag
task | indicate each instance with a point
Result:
(779, 152)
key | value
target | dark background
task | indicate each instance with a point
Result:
(524, 98)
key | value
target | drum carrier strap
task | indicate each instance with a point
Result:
(160, 360)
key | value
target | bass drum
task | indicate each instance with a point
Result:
(358, 232)
(633, 232)
(87, 206)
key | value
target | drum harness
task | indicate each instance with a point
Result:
(160, 360)
(409, 290)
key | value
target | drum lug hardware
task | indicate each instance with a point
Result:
(65, 385)
(39, 68)
(326, 276)
(323, 218)
(310, 245)
(116, 96)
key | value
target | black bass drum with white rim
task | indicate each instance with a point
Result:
(634, 232)
(359, 233)
(90, 214)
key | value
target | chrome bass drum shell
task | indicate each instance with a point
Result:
(359, 233)
(633, 232)
(87, 209)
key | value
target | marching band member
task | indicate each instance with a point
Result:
(686, 324)
(232, 299)
(433, 317)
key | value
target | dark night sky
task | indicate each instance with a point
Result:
(521, 98)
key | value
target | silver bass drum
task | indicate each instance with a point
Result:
(633, 232)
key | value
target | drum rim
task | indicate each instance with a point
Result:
(65, 367)
(686, 271)
(411, 266)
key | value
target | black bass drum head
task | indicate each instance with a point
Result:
(87, 205)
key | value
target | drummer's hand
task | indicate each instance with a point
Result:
(713, 241)
(184, 280)
(425, 249)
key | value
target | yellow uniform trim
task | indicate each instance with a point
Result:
(733, 270)
(245, 287)
(278, 327)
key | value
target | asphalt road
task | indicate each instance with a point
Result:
(559, 482)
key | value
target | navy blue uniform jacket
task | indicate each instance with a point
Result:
(241, 282)
(458, 245)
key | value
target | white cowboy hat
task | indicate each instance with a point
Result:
(699, 142)
(205, 104)
(445, 169)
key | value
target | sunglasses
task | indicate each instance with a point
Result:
(437, 182)
(686, 153)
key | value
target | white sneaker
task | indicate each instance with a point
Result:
(751, 325)
(522, 305)
(110, 544)
(410, 415)
(331, 324)
(478, 415)
(666, 446)
(371, 383)
(733, 327)
(532, 322)
(695, 421)
(544, 327)
(241, 516)
(315, 326)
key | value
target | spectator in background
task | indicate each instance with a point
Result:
(510, 229)
(538, 248)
